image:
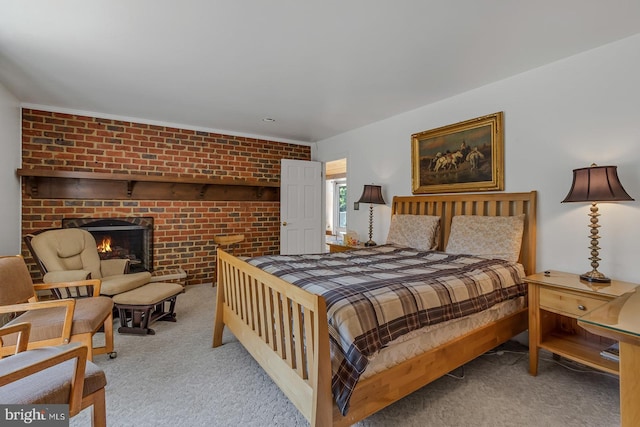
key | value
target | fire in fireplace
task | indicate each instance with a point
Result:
(130, 238)
(104, 247)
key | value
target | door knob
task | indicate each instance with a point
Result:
(284, 224)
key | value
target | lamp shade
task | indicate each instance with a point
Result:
(372, 194)
(596, 184)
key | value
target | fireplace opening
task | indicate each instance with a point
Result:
(126, 238)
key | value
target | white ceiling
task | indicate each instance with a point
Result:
(318, 67)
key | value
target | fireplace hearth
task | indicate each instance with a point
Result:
(128, 238)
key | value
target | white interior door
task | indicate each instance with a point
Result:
(301, 230)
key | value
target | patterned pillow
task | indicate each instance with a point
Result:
(487, 236)
(414, 231)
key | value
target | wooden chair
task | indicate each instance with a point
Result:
(49, 375)
(231, 240)
(54, 322)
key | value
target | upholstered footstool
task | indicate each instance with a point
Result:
(146, 304)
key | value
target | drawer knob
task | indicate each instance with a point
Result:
(582, 307)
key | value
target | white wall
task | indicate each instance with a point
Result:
(9, 182)
(581, 110)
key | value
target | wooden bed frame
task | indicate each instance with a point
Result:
(285, 328)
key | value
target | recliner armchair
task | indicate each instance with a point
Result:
(71, 254)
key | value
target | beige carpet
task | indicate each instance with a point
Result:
(176, 378)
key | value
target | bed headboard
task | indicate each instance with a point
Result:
(486, 204)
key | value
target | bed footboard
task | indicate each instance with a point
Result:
(283, 327)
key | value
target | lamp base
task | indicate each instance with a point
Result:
(370, 243)
(595, 276)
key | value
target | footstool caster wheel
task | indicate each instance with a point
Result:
(113, 355)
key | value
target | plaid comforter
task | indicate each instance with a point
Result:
(377, 294)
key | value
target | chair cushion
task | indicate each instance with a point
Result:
(67, 249)
(149, 294)
(113, 285)
(50, 386)
(19, 286)
(88, 316)
(113, 266)
(66, 276)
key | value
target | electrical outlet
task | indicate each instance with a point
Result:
(356, 206)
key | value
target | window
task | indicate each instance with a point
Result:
(335, 199)
(340, 206)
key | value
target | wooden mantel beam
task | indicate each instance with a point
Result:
(56, 184)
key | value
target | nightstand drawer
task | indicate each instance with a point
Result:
(568, 303)
(335, 247)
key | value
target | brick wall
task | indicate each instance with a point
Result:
(183, 230)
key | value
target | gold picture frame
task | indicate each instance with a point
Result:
(465, 156)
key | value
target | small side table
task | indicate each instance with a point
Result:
(620, 321)
(339, 247)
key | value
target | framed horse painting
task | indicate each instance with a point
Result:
(465, 156)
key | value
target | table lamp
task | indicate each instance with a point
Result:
(596, 184)
(371, 194)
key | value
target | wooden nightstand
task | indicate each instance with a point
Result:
(556, 301)
(338, 247)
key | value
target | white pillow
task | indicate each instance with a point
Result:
(414, 231)
(487, 236)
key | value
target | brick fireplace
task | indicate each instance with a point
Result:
(183, 230)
